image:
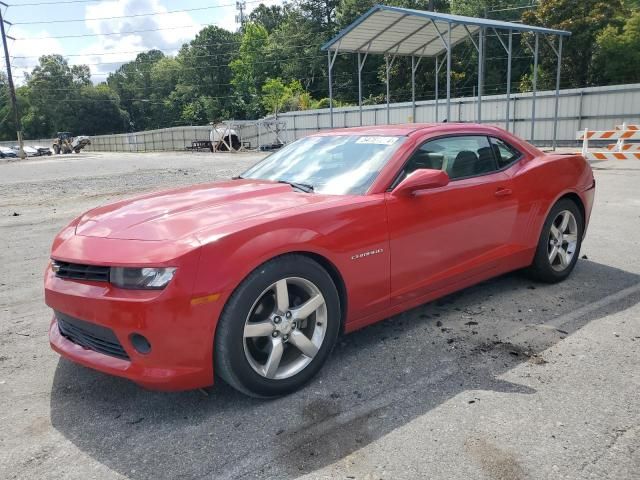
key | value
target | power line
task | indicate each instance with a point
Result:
(168, 12)
(118, 33)
(15, 5)
(230, 55)
(200, 45)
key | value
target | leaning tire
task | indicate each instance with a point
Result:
(278, 327)
(559, 244)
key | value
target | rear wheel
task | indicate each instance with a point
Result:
(278, 327)
(56, 149)
(559, 243)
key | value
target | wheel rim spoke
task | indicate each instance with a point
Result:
(562, 255)
(303, 344)
(553, 253)
(555, 233)
(282, 295)
(565, 221)
(571, 238)
(259, 329)
(308, 307)
(273, 362)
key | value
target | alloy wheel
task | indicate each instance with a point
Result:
(285, 328)
(563, 240)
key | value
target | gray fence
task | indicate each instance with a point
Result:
(597, 108)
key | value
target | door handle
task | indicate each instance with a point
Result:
(503, 192)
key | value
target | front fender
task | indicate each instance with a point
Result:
(344, 236)
(226, 262)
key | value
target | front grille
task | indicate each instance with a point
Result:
(89, 335)
(78, 271)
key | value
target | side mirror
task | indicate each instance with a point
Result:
(421, 179)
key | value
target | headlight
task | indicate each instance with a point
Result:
(141, 278)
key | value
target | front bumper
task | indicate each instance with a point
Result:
(180, 331)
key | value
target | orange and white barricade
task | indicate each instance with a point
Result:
(626, 147)
(616, 151)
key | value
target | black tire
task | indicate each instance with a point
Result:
(56, 149)
(542, 269)
(230, 361)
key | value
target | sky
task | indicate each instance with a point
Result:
(70, 29)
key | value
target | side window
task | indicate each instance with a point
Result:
(424, 157)
(460, 156)
(505, 153)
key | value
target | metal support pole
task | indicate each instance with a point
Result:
(480, 71)
(535, 88)
(448, 71)
(506, 123)
(330, 63)
(386, 60)
(555, 117)
(437, 101)
(12, 89)
(413, 88)
(361, 61)
(360, 86)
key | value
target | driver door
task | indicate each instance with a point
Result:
(444, 236)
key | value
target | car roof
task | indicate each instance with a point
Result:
(405, 129)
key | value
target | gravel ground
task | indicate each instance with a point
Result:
(505, 380)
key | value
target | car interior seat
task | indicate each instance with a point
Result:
(464, 164)
(486, 161)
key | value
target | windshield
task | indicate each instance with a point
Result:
(335, 165)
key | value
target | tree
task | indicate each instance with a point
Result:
(617, 55)
(132, 82)
(7, 123)
(586, 20)
(250, 70)
(276, 94)
(321, 12)
(293, 53)
(97, 111)
(269, 17)
(206, 75)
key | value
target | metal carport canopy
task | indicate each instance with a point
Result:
(396, 31)
(408, 32)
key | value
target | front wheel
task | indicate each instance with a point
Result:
(559, 243)
(278, 328)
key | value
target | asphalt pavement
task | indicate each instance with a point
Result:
(509, 379)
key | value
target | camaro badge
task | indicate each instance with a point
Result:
(358, 256)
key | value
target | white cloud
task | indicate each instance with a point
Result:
(26, 50)
(110, 51)
(105, 53)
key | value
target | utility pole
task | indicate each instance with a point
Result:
(241, 6)
(12, 90)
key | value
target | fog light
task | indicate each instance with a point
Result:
(140, 343)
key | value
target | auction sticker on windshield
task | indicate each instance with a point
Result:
(378, 140)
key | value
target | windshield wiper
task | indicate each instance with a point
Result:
(304, 187)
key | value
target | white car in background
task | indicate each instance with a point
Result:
(42, 150)
(6, 152)
(28, 151)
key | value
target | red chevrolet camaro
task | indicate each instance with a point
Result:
(255, 277)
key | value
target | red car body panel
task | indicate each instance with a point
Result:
(426, 246)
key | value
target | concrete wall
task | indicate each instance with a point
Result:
(596, 108)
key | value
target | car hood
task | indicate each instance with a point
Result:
(175, 214)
